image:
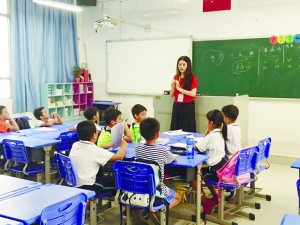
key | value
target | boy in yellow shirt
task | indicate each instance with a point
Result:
(139, 113)
(112, 117)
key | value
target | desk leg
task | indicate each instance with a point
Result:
(198, 202)
(47, 163)
(299, 173)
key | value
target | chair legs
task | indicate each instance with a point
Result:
(219, 219)
(163, 217)
(39, 178)
(93, 212)
(254, 193)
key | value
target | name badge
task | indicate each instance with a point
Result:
(180, 97)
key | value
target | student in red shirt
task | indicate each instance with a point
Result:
(184, 87)
(6, 123)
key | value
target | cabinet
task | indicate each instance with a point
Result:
(67, 99)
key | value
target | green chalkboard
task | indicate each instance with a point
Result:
(247, 66)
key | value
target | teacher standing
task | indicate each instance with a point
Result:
(184, 87)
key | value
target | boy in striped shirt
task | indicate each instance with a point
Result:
(149, 129)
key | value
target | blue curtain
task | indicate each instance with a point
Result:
(43, 49)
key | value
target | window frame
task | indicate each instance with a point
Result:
(7, 15)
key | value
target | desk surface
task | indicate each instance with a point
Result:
(290, 219)
(5, 221)
(296, 164)
(28, 206)
(106, 103)
(12, 185)
(31, 142)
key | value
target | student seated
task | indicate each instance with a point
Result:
(112, 116)
(7, 124)
(149, 128)
(44, 119)
(88, 159)
(233, 143)
(213, 142)
(92, 114)
(139, 113)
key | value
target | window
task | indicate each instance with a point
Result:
(5, 84)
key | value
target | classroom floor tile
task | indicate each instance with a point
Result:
(279, 181)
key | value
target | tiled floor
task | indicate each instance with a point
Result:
(279, 181)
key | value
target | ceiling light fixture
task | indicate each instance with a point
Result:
(59, 5)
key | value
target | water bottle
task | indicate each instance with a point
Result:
(190, 146)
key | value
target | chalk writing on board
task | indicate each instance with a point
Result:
(241, 66)
(212, 57)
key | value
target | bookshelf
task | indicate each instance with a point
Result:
(67, 99)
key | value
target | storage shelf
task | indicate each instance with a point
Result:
(67, 93)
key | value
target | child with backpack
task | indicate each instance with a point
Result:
(213, 142)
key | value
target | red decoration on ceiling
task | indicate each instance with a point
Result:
(216, 5)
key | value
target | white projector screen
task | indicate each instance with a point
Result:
(144, 66)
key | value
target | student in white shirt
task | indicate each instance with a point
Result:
(233, 143)
(44, 119)
(88, 159)
(213, 142)
(92, 114)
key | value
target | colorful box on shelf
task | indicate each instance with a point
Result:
(76, 112)
(81, 113)
(59, 91)
(69, 102)
(59, 104)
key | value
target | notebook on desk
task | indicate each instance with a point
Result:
(178, 151)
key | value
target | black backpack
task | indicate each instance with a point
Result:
(23, 123)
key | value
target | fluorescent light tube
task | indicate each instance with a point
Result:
(59, 5)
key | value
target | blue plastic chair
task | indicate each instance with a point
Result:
(290, 219)
(298, 191)
(246, 163)
(68, 212)
(138, 178)
(67, 173)
(67, 140)
(16, 151)
(263, 153)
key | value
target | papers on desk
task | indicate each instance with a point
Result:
(159, 141)
(45, 129)
(117, 132)
(179, 145)
(175, 132)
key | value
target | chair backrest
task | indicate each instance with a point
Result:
(68, 212)
(264, 149)
(23, 123)
(247, 161)
(298, 191)
(65, 169)
(135, 177)
(67, 140)
(15, 150)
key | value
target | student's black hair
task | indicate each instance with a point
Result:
(1, 108)
(217, 117)
(90, 112)
(38, 113)
(149, 127)
(110, 114)
(137, 109)
(85, 130)
(231, 111)
(188, 74)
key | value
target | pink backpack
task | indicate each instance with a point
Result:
(226, 174)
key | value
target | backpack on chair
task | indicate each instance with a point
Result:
(226, 174)
(23, 123)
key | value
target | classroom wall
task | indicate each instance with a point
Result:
(277, 118)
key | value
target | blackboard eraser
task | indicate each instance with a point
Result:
(166, 92)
